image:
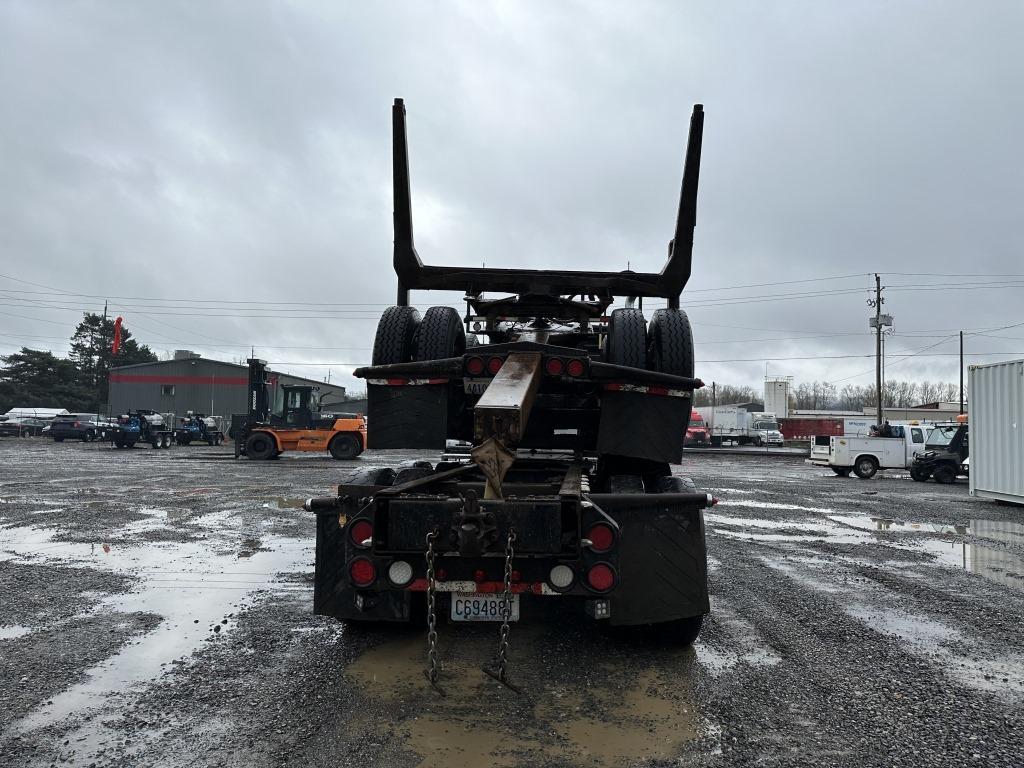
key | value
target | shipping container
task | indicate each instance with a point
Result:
(996, 422)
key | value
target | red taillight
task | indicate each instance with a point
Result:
(475, 366)
(554, 366)
(494, 365)
(479, 576)
(441, 574)
(360, 531)
(575, 368)
(601, 537)
(517, 576)
(362, 572)
(601, 577)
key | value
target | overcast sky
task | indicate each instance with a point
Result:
(183, 158)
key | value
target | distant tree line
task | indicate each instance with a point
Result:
(34, 378)
(825, 396)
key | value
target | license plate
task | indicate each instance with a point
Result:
(475, 386)
(476, 607)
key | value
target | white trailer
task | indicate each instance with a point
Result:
(995, 412)
(865, 456)
(735, 423)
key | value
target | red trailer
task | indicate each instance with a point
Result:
(799, 429)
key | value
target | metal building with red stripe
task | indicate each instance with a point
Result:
(193, 383)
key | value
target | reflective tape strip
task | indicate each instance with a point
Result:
(645, 390)
(484, 588)
(405, 382)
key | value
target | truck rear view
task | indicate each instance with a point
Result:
(575, 412)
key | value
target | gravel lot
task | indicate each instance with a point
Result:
(156, 611)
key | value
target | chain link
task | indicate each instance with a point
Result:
(499, 667)
(433, 663)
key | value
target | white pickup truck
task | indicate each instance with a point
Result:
(866, 455)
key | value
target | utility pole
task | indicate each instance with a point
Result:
(878, 322)
(961, 372)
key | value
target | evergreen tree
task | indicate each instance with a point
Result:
(92, 353)
(36, 379)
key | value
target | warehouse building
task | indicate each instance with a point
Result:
(193, 383)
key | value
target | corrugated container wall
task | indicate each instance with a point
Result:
(995, 412)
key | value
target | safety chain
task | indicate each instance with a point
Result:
(433, 669)
(499, 667)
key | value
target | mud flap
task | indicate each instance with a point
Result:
(332, 594)
(663, 566)
(407, 416)
(643, 426)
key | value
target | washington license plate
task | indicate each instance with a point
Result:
(477, 607)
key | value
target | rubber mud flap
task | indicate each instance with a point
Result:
(407, 416)
(663, 567)
(643, 426)
(332, 594)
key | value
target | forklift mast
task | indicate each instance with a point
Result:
(259, 398)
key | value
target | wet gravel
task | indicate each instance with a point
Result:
(160, 600)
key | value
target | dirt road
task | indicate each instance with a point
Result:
(156, 611)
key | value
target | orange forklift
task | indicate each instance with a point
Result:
(294, 424)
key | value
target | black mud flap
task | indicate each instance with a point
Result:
(407, 416)
(663, 566)
(332, 594)
(643, 426)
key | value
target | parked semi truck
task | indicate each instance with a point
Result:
(575, 416)
(736, 424)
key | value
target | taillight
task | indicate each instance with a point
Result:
(475, 366)
(601, 537)
(494, 365)
(362, 572)
(479, 576)
(601, 577)
(360, 531)
(575, 368)
(554, 366)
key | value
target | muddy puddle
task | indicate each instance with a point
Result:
(573, 720)
(988, 548)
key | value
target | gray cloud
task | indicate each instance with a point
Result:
(241, 151)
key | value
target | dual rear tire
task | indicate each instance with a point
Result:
(402, 336)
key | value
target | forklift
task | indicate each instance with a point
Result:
(295, 424)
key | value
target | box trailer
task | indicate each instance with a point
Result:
(996, 416)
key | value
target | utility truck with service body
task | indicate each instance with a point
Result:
(575, 415)
(865, 456)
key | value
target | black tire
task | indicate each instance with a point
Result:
(440, 335)
(90, 435)
(866, 467)
(842, 471)
(184, 440)
(344, 447)
(672, 484)
(758, 442)
(57, 439)
(260, 446)
(210, 441)
(670, 343)
(627, 338)
(395, 336)
(945, 474)
(684, 632)
(919, 474)
(409, 474)
(155, 442)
